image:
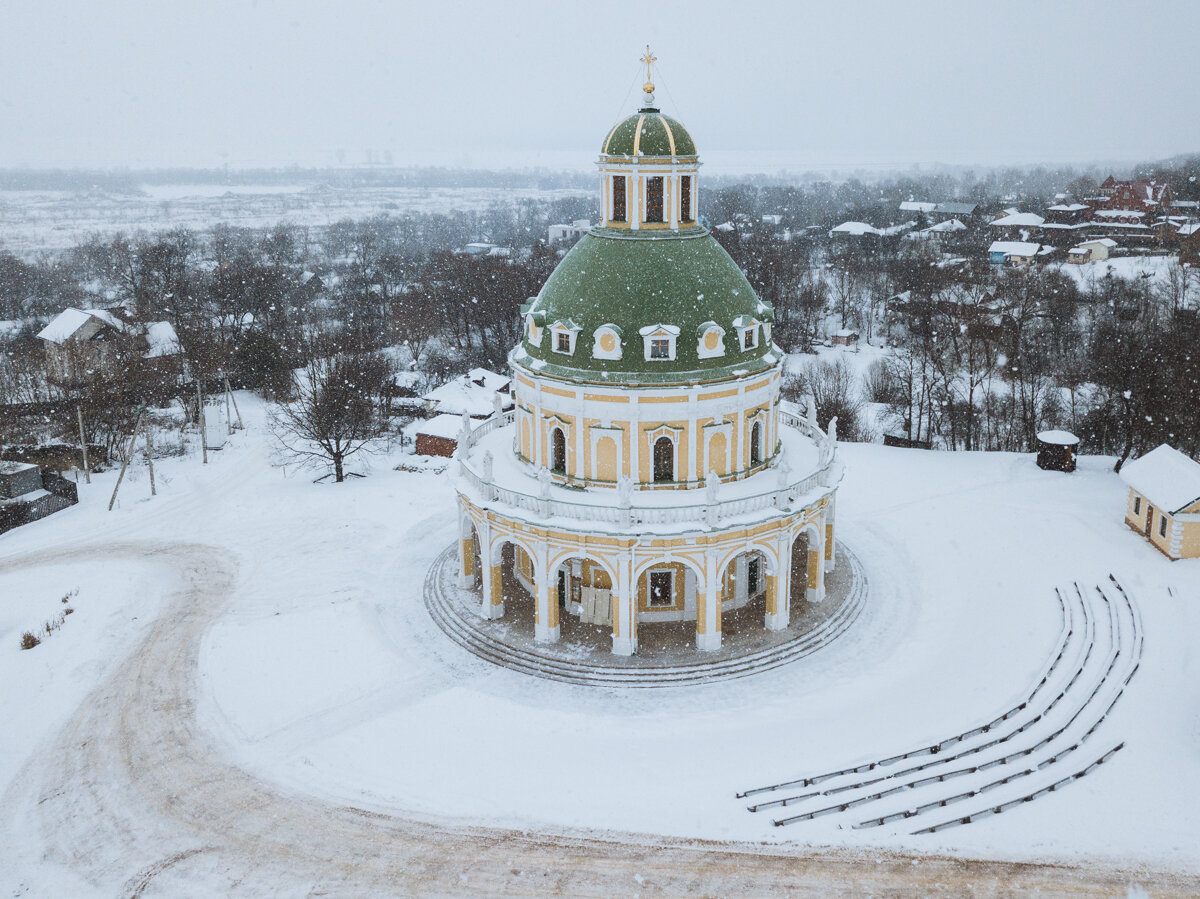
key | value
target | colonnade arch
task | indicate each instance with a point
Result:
(622, 587)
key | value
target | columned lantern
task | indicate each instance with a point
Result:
(649, 469)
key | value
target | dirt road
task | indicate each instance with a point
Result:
(134, 798)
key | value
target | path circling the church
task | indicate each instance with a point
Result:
(134, 797)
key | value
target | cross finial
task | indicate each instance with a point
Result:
(649, 58)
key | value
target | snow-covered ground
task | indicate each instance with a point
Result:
(32, 221)
(322, 675)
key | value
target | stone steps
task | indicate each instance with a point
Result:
(466, 633)
(1104, 649)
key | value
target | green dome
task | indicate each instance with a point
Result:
(636, 280)
(648, 133)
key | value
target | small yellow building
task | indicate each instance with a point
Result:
(1164, 501)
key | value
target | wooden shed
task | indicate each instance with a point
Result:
(438, 436)
(1056, 450)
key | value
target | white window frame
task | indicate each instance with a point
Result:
(750, 332)
(1137, 506)
(1162, 525)
(650, 333)
(650, 604)
(559, 328)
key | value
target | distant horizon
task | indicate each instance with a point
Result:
(869, 86)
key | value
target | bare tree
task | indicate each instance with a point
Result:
(336, 412)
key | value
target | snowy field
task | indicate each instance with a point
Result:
(37, 221)
(300, 662)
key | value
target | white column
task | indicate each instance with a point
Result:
(579, 471)
(741, 579)
(492, 605)
(545, 627)
(779, 611)
(673, 216)
(633, 200)
(693, 437)
(830, 543)
(635, 440)
(708, 606)
(624, 637)
(816, 568)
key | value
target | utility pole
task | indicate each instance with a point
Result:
(87, 472)
(128, 456)
(203, 424)
(237, 411)
(150, 460)
(228, 416)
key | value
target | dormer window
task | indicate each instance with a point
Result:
(747, 330)
(659, 342)
(564, 333)
(606, 342)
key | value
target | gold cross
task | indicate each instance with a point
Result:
(648, 59)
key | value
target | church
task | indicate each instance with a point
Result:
(648, 470)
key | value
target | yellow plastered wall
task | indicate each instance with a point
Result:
(679, 570)
(718, 455)
(1190, 548)
(606, 459)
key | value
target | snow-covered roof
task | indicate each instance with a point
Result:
(1166, 477)
(1080, 249)
(464, 395)
(1185, 230)
(845, 332)
(162, 339)
(1119, 213)
(1019, 219)
(13, 467)
(948, 225)
(1014, 247)
(858, 229)
(1059, 438)
(68, 323)
(1103, 241)
(443, 425)
(917, 206)
(488, 379)
(1068, 207)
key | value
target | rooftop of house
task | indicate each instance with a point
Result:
(1015, 247)
(1166, 477)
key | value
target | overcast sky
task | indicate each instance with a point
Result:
(508, 83)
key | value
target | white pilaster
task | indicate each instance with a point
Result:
(545, 628)
(624, 636)
(710, 639)
(816, 571)
(830, 543)
(781, 617)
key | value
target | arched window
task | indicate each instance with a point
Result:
(618, 187)
(664, 459)
(756, 453)
(654, 199)
(558, 451)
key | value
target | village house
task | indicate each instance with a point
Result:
(564, 234)
(1189, 243)
(1013, 252)
(1164, 501)
(1091, 250)
(82, 342)
(477, 394)
(1140, 194)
